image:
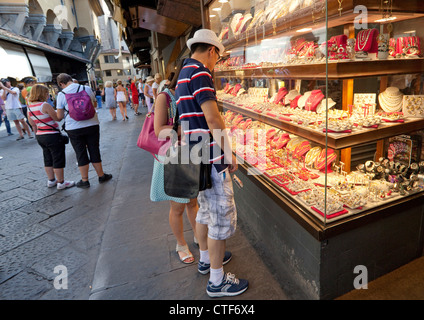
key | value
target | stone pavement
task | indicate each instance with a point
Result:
(114, 242)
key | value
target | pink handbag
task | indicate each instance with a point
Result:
(147, 140)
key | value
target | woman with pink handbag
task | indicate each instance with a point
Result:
(165, 110)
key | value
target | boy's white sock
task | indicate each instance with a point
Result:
(204, 256)
(216, 276)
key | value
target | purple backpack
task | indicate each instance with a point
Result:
(80, 106)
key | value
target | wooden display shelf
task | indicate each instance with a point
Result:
(335, 141)
(307, 17)
(336, 70)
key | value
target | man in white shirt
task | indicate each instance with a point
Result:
(14, 108)
(84, 135)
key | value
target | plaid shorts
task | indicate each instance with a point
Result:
(217, 208)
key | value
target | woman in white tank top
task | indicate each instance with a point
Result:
(122, 98)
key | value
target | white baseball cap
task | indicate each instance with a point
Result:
(206, 36)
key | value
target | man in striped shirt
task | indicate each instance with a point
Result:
(199, 114)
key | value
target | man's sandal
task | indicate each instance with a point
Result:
(186, 251)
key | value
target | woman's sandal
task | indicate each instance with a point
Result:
(186, 251)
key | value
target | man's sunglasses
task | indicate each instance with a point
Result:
(219, 56)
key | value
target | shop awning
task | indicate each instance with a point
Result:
(13, 61)
(21, 40)
(96, 7)
(40, 65)
(150, 19)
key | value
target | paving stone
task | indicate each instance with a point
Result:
(14, 221)
(91, 241)
(121, 265)
(4, 172)
(24, 286)
(66, 256)
(10, 194)
(37, 175)
(51, 205)
(7, 185)
(79, 286)
(13, 204)
(65, 216)
(24, 235)
(40, 184)
(19, 172)
(15, 261)
(35, 195)
(78, 228)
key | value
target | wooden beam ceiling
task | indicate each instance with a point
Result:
(187, 11)
(150, 19)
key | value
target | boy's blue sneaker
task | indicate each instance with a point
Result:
(230, 286)
(204, 268)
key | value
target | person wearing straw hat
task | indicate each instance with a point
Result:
(216, 219)
(148, 92)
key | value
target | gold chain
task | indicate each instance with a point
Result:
(340, 7)
(386, 8)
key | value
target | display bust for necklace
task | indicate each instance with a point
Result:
(366, 45)
(312, 155)
(314, 100)
(391, 100)
(408, 47)
(325, 158)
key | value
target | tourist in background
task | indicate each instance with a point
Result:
(44, 120)
(134, 96)
(14, 108)
(109, 93)
(24, 104)
(3, 117)
(122, 99)
(148, 93)
(156, 84)
(141, 92)
(99, 96)
(84, 135)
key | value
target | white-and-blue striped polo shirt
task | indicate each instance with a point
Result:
(195, 87)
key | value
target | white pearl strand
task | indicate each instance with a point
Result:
(391, 100)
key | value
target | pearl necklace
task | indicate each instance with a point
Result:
(390, 101)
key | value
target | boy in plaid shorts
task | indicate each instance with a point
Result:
(217, 216)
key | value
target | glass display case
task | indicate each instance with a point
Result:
(324, 103)
(318, 96)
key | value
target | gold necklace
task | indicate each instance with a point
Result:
(340, 7)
